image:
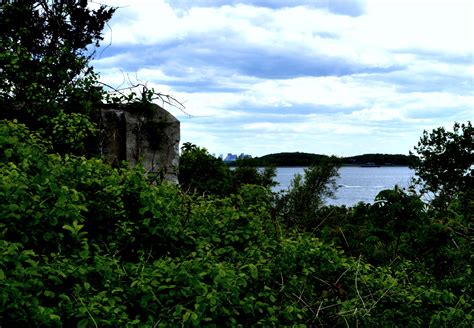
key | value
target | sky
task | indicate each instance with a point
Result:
(341, 77)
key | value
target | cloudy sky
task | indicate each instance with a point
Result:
(335, 77)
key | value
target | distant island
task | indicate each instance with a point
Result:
(307, 159)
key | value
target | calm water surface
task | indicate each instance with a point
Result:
(356, 184)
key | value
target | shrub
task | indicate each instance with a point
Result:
(83, 244)
(202, 173)
(305, 196)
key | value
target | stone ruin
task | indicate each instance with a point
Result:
(148, 137)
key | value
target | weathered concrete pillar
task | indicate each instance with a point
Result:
(150, 137)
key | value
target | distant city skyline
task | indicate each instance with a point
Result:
(230, 157)
(327, 77)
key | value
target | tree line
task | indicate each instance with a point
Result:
(289, 159)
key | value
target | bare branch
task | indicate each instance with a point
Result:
(147, 94)
(356, 287)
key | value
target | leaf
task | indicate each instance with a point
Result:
(55, 317)
(83, 323)
(49, 294)
(186, 316)
(253, 271)
(162, 287)
(84, 253)
(69, 228)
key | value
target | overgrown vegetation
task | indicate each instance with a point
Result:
(46, 80)
(104, 247)
(83, 244)
(305, 197)
(201, 173)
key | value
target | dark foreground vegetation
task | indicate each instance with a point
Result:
(84, 244)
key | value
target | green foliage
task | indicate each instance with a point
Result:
(83, 244)
(86, 245)
(202, 173)
(306, 196)
(73, 133)
(45, 77)
(396, 225)
(445, 160)
(246, 174)
(399, 226)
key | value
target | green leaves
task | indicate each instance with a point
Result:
(75, 230)
(71, 132)
(45, 73)
(445, 160)
(253, 271)
(83, 323)
(203, 174)
(85, 245)
(298, 206)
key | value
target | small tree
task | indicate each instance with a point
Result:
(299, 205)
(445, 160)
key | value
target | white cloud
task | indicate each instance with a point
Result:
(444, 26)
(260, 79)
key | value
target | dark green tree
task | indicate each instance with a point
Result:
(445, 160)
(202, 173)
(46, 80)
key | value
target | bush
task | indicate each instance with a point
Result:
(305, 197)
(202, 173)
(83, 244)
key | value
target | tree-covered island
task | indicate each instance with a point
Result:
(289, 159)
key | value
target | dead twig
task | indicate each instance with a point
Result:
(147, 94)
(356, 287)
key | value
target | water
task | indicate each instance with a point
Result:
(356, 184)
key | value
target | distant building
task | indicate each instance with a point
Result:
(230, 158)
(233, 157)
(244, 156)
